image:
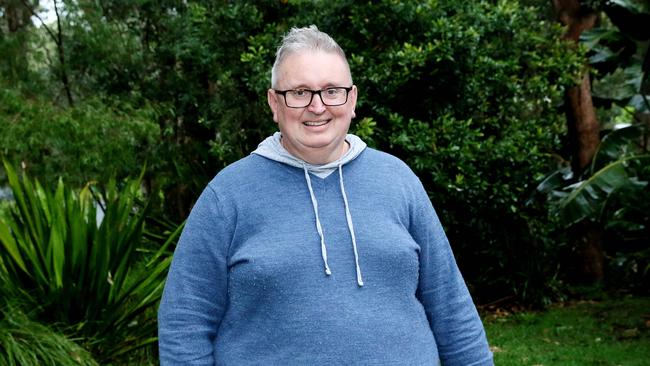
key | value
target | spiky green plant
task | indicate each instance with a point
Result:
(83, 275)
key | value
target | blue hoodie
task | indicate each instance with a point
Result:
(285, 263)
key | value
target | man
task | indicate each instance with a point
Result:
(316, 250)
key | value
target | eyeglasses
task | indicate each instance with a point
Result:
(300, 98)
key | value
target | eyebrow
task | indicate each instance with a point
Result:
(328, 85)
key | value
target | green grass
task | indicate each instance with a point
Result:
(24, 342)
(610, 332)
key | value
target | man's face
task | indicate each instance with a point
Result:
(315, 133)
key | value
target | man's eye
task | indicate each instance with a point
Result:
(299, 92)
(332, 92)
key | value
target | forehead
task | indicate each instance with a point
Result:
(314, 70)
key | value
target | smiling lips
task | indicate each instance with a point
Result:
(315, 123)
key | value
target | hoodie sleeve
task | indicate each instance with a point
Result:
(195, 294)
(455, 323)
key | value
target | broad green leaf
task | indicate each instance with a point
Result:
(614, 143)
(591, 38)
(552, 184)
(587, 197)
(618, 85)
(601, 54)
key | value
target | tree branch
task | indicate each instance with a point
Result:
(64, 73)
(34, 13)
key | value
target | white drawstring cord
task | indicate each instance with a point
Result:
(348, 216)
(319, 228)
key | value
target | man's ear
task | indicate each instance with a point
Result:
(272, 99)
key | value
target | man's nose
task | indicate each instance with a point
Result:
(316, 106)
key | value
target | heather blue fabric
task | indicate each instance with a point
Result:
(247, 285)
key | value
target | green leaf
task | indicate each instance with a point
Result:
(602, 54)
(635, 6)
(615, 144)
(10, 245)
(555, 180)
(591, 38)
(645, 81)
(618, 85)
(587, 197)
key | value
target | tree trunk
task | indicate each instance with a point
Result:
(15, 14)
(15, 20)
(584, 138)
(588, 245)
(582, 125)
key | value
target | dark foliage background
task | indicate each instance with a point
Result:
(469, 94)
(472, 95)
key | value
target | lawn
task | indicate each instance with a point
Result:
(609, 332)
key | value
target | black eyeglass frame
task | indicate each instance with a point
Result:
(314, 92)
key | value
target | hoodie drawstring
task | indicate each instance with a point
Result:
(319, 228)
(348, 217)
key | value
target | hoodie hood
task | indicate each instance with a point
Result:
(271, 148)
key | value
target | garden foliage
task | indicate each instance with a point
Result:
(613, 191)
(24, 342)
(467, 93)
(72, 259)
(93, 141)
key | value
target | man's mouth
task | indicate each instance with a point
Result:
(316, 123)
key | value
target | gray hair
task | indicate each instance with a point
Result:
(304, 39)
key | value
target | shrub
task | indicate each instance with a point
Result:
(93, 141)
(83, 275)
